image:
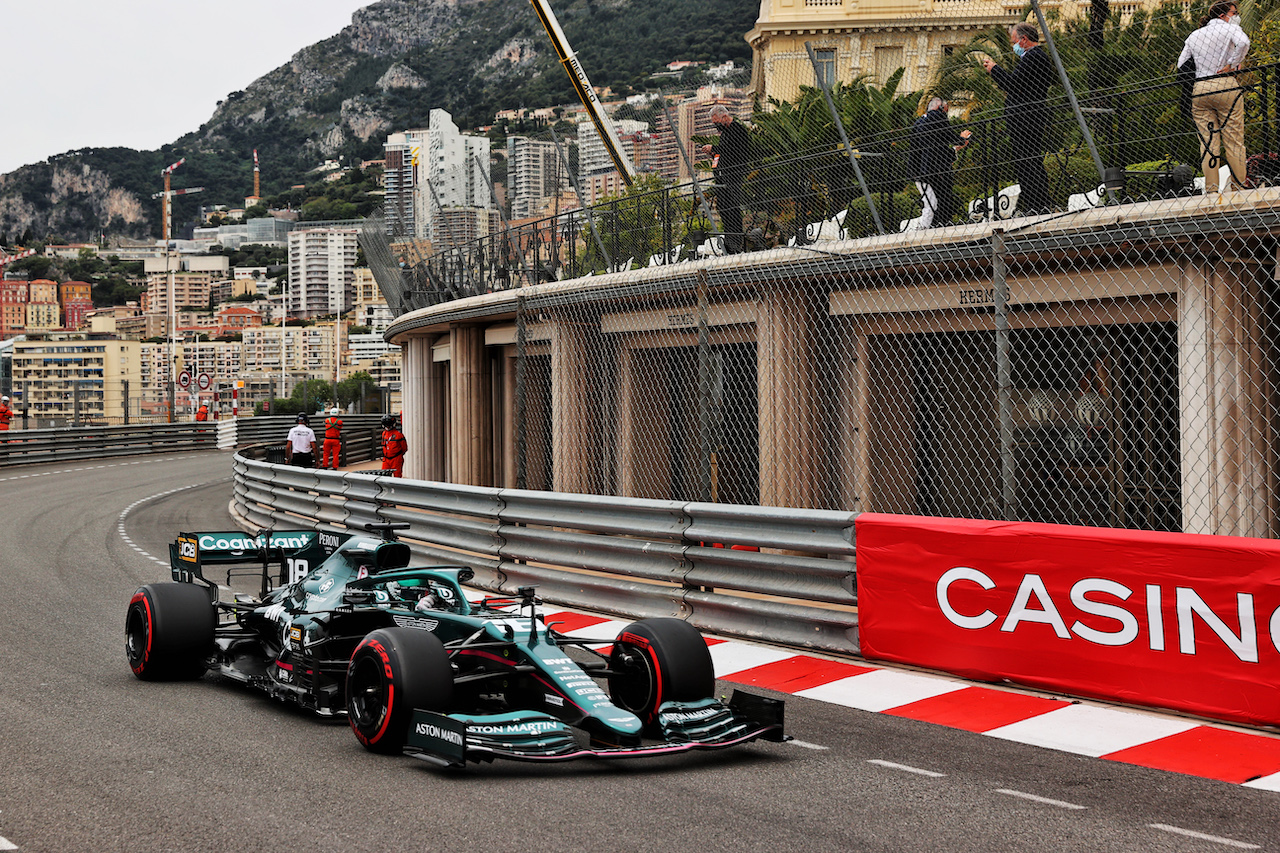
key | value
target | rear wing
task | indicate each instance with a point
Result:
(294, 551)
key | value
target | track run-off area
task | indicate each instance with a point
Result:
(883, 758)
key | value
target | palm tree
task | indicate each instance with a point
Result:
(804, 172)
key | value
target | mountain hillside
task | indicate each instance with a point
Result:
(340, 98)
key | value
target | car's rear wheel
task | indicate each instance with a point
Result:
(169, 630)
(391, 672)
(656, 661)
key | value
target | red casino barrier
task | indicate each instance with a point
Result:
(1169, 620)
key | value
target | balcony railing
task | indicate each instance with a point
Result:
(1148, 149)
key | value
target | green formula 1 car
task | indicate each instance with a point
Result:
(343, 626)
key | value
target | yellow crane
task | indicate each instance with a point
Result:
(586, 94)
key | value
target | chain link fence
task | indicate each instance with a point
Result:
(1100, 350)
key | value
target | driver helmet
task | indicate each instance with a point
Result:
(388, 421)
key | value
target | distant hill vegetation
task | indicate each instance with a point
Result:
(341, 97)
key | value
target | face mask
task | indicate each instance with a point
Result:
(1234, 19)
(1019, 50)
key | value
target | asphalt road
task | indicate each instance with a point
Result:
(92, 759)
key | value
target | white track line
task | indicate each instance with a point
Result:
(1035, 799)
(1216, 839)
(125, 514)
(85, 468)
(893, 765)
(806, 745)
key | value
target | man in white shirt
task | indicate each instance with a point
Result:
(1217, 104)
(300, 447)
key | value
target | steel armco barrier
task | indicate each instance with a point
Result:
(361, 439)
(626, 556)
(22, 447)
(361, 434)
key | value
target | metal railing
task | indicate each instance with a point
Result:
(361, 439)
(800, 197)
(23, 447)
(361, 435)
(631, 557)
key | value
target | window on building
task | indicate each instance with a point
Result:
(888, 60)
(826, 67)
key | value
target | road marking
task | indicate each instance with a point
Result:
(1191, 833)
(6, 844)
(906, 768)
(1270, 782)
(94, 468)
(125, 514)
(806, 744)
(1090, 730)
(881, 689)
(1045, 800)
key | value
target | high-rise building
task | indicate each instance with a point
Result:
(322, 265)
(534, 174)
(399, 176)
(593, 157)
(453, 171)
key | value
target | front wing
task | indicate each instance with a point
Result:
(451, 740)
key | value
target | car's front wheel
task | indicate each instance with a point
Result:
(391, 672)
(169, 630)
(656, 661)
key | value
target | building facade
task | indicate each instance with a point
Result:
(534, 174)
(399, 175)
(322, 264)
(453, 172)
(77, 376)
(871, 37)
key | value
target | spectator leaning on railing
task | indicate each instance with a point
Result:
(934, 143)
(1026, 113)
(730, 168)
(1217, 103)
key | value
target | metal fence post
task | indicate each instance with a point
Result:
(522, 370)
(1004, 372)
(1071, 97)
(704, 394)
(853, 158)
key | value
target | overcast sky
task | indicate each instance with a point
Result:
(139, 73)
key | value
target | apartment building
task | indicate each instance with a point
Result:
(65, 374)
(535, 173)
(76, 300)
(453, 171)
(399, 177)
(322, 265)
(593, 157)
(306, 351)
(13, 308)
(371, 307)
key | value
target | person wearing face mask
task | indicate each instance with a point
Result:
(1026, 113)
(1217, 102)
